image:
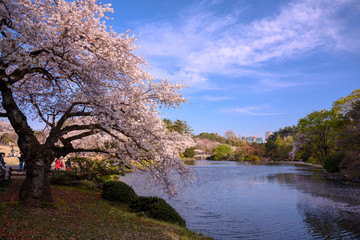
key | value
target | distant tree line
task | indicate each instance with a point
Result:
(330, 138)
(229, 147)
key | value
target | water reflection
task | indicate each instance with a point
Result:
(330, 209)
(232, 200)
(325, 220)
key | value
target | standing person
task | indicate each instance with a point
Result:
(2, 161)
(57, 164)
(68, 164)
(2, 167)
(22, 160)
(61, 163)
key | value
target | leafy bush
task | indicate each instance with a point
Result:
(239, 155)
(332, 162)
(59, 177)
(95, 170)
(118, 192)
(313, 160)
(189, 152)
(68, 178)
(142, 204)
(106, 178)
(223, 151)
(219, 156)
(252, 158)
(157, 208)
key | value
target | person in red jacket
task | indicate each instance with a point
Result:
(58, 164)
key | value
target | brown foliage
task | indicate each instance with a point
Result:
(350, 165)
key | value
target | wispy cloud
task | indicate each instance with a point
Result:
(268, 85)
(201, 43)
(216, 98)
(255, 110)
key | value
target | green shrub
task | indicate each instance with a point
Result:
(141, 204)
(60, 177)
(189, 152)
(98, 171)
(118, 192)
(223, 151)
(252, 158)
(106, 178)
(240, 157)
(219, 156)
(95, 169)
(313, 160)
(332, 162)
(157, 208)
(161, 210)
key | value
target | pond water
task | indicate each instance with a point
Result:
(231, 200)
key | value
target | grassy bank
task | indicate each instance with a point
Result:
(79, 213)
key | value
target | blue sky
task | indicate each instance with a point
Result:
(253, 65)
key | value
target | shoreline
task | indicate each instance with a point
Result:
(261, 162)
(328, 176)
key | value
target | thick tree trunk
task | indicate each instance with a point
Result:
(36, 187)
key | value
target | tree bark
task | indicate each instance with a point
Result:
(36, 190)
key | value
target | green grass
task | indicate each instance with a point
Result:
(79, 214)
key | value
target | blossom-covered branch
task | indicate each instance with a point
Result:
(61, 64)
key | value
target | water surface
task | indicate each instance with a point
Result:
(231, 200)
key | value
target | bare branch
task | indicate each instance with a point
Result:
(71, 128)
(79, 114)
(39, 111)
(38, 52)
(63, 151)
(17, 75)
(82, 135)
(68, 114)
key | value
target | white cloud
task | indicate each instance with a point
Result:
(259, 110)
(202, 43)
(268, 85)
(189, 78)
(216, 98)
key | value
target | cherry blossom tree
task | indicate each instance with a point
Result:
(60, 64)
